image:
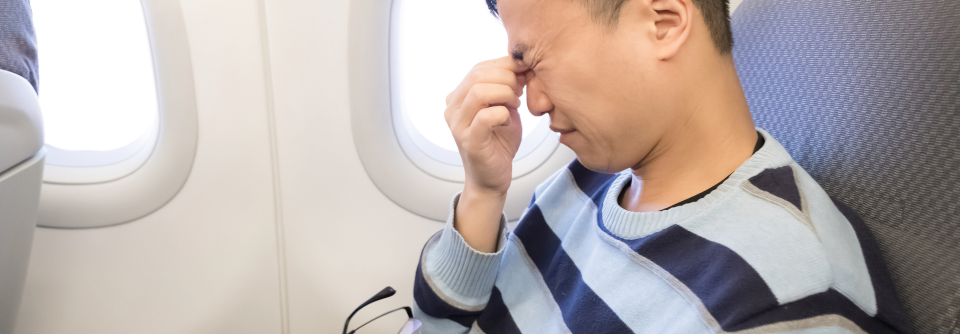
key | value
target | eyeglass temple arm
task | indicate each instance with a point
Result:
(386, 292)
(405, 308)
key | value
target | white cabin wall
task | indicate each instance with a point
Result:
(344, 239)
(206, 262)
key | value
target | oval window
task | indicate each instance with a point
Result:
(118, 99)
(97, 88)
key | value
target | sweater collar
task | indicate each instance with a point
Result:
(634, 225)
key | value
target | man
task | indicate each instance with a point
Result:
(710, 227)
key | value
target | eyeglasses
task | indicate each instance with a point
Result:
(409, 327)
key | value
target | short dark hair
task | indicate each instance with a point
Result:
(716, 14)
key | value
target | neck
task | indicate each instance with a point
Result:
(714, 139)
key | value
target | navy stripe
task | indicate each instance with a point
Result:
(779, 182)
(730, 289)
(583, 311)
(434, 306)
(589, 182)
(496, 317)
(598, 196)
(888, 305)
(829, 302)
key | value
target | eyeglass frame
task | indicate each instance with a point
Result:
(383, 294)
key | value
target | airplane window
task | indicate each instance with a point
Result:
(97, 87)
(405, 57)
(437, 43)
(119, 102)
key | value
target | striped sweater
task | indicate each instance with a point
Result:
(768, 251)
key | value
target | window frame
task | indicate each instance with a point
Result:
(88, 167)
(399, 168)
(121, 192)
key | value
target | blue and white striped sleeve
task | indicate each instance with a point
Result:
(454, 281)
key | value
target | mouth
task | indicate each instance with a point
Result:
(561, 131)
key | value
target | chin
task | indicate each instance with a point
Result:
(599, 163)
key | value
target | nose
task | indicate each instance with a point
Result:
(537, 100)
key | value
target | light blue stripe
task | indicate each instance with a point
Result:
(542, 187)
(821, 330)
(526, 295)
(839, 240)
(561, 201)
(436, 325)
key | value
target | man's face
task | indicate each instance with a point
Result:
(600, 84)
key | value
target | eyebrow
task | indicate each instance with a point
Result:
(518, 51)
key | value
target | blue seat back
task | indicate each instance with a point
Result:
(18, 43)
(864, 95)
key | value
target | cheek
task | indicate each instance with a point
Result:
(611, 145)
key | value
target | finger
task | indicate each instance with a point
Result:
(482, 96)
(514, 117)
(522, 80)
(487, 74)
(507, 63)
(492, 117)
(484, 74)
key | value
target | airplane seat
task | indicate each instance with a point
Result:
(865, 95)
(21, 154)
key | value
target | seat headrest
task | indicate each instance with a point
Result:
(21, 124)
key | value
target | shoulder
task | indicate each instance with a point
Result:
(794, 235)
(765, 222)
(860, 273)
(811, 256)
(813, 253)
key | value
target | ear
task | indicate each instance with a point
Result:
(672, 25)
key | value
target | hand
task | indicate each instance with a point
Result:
(483, 118)
(482, 115)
